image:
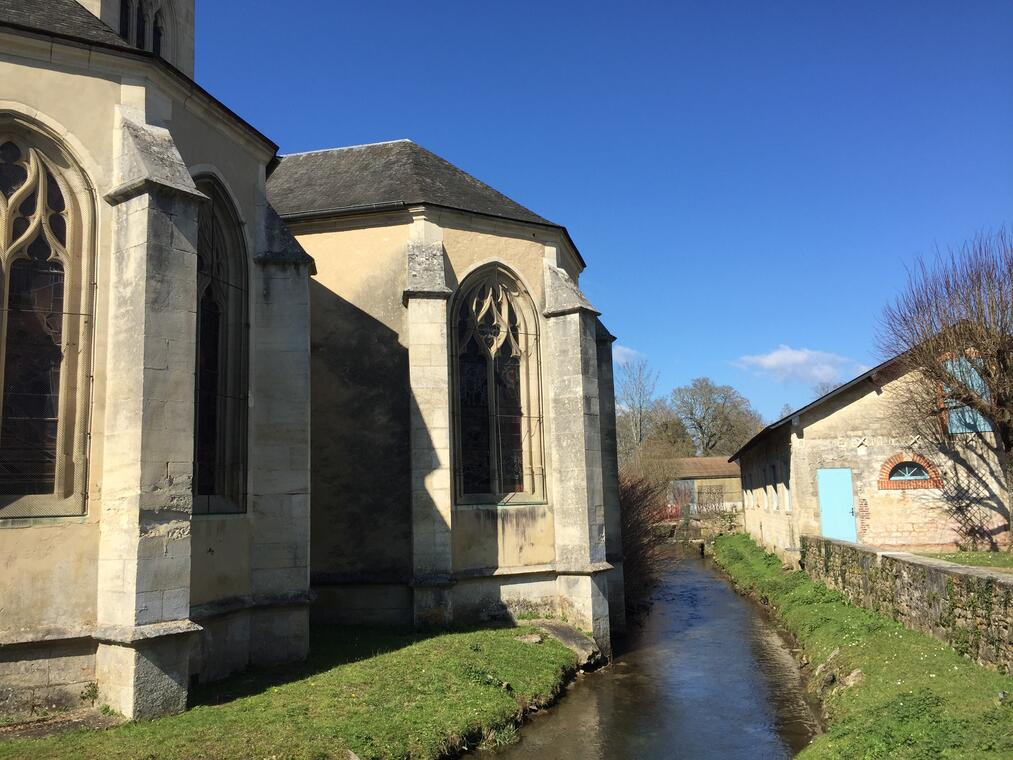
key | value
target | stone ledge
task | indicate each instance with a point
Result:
(491, 572)
(126, 634)
(239, 603)
(149, 186)
(20, 638)
(547, 568)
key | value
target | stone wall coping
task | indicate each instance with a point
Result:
(126, 634)
(953, 568)
(591, 568)
(547, 568)
(443, 293)
(38, 636)
(250, 601)
(486, 572)
(151, 186)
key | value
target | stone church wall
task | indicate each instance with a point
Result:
(361, 539)
(81, 587)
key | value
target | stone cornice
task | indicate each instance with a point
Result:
(127, 635)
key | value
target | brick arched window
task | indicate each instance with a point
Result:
(46, 227)
(497, 391)
(903, 472)
(222, 362)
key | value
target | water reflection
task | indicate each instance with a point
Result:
(706, 676)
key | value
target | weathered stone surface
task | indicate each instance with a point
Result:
(588, 654)
(426, 277)
(148, 157)
(969, 608)
(281, 247)
(562, 296)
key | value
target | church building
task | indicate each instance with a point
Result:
(244, 391)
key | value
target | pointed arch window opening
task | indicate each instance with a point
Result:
(126, 15)
(498, 425)
(139, 27)
(157, 34)
(41, 326)
(221, 399)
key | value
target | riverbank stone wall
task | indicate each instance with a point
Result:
(969, 608)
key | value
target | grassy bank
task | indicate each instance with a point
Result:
(1001, 561)
(914, 697)
(378, 693)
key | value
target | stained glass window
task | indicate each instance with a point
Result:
(220, 383)
(498, 413)
(32, 204)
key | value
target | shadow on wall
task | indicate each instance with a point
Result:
(361, 507)
(974, 495)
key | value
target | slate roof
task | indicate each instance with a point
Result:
(383, 175)
(689, 468)
(67, 18)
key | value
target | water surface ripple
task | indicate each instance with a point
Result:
(705, 676)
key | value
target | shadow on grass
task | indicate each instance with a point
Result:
(330, 646)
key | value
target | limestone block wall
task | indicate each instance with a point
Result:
(773, 522)
(971, 609)
(361, 540)
(861, 430)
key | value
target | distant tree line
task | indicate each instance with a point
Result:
(699, 419)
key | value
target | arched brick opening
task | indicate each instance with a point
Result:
(885, 484)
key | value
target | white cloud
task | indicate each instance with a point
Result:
(624, 354)
(802, 365)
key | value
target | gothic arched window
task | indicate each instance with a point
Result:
(139, 39)
(497, 403)
(126, 11)
(157, 34)
(222, 361)
(45, 328)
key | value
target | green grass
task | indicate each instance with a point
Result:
(380, 693)
(918, 699)
(1001, 561)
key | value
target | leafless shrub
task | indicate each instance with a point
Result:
(952, 331)
(642, 504)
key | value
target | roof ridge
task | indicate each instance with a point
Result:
(347, 147)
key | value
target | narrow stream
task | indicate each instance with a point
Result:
(705, 676)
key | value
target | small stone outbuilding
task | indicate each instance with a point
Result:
(706, 484)
(849, 466)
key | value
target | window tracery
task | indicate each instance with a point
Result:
(497, 393)
(44, 326)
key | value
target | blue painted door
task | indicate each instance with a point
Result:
(837, 504)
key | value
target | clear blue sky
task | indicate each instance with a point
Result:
(740, 176)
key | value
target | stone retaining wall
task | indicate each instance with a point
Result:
(971, 609)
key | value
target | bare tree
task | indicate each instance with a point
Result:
(952, 329)
(635, 397)
(667, 440)
(718, 418)
(822, 389)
